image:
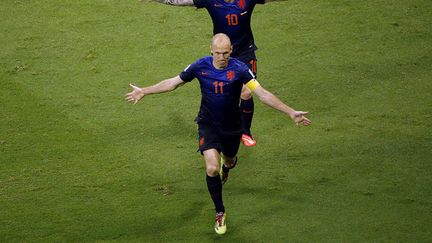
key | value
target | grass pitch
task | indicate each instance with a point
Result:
(77, 163)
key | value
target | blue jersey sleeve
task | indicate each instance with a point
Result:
(189, 73)
(246, 74)
(200, 3)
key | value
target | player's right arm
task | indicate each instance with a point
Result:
(271, 100)
(177, 2)
(163, 86)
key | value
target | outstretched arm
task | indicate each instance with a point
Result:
(163, 86)
(271, 100)
(177, 2)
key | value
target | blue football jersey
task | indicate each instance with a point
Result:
(220, 91)
(233, 19)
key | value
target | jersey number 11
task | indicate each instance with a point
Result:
(218, 87)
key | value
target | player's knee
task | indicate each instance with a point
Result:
(229, 163)
(212, 170)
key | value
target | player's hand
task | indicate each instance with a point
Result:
(136, 95)
(300, 119)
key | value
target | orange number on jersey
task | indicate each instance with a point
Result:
(232, 19)
(218, 87)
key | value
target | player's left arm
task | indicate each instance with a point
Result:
(271, 100)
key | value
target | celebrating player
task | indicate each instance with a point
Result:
(233, 17)
(221, 80)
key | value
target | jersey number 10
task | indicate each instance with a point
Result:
(232, 19)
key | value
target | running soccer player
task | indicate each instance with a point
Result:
(233, 17)
(221, 80)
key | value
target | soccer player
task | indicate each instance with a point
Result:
(221, 80)
(233, 17)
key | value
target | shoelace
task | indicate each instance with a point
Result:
(219, 217)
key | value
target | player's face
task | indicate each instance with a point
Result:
(221, 55)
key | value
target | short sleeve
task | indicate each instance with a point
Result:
(200, 3)
(248, 78)
(247, 75)
(188, 74)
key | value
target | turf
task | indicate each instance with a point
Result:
(79, 164)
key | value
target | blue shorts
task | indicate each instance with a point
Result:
(211, 138)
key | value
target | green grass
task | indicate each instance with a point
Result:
(79, 164)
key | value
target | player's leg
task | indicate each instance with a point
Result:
(227, 164)
(214, 185)
(210, 145)
(247, 107)
(247, 111)
(230, 148)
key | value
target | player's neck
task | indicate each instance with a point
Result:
(219, 66)
(229, 1)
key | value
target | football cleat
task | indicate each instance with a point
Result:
(220, 226)
(248, 140)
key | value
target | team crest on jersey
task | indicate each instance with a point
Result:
(241, 4)
(230, 75)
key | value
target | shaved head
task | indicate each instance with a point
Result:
(221, 39)
(221, 50)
